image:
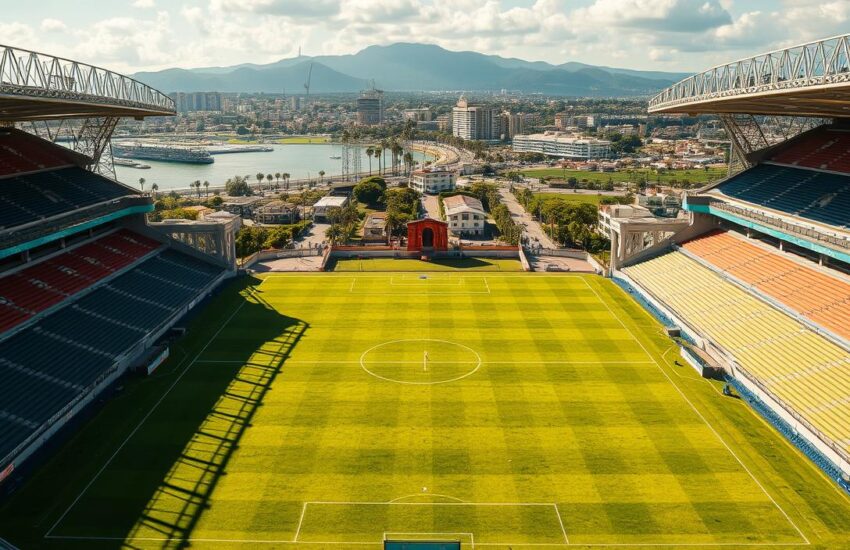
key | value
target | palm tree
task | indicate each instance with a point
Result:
(206, 188)
(369, 152)
(260, 177)
(197, 185)
(397, 151)
(321, 176)
(154, 189)
(285, 177)
(385, 144)
(276, 180)
(408, 162)
(269, 179)
(142, 184)
(378, 152)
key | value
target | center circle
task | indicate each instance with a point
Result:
(420, 361)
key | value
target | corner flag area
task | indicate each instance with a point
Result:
(497, 410)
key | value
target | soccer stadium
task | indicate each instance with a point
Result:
(152, 395)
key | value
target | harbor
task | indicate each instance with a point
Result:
(300, 161)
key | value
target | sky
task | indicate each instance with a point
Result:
(670, 35)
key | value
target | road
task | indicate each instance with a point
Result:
(532, 228)
(431, 205)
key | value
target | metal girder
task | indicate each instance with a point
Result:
(817, 67)
(751, 133)
(36, 85)
(93, 139)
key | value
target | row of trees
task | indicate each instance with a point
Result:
(255, 238)
(566, 222)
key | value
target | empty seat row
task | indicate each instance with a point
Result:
(55, 361)
(800, 367)
(21, 152)
(29, 198)
(808, 194)
(825, 149)
(811, 292)
(36, 288)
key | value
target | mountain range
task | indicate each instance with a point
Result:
(414, 67)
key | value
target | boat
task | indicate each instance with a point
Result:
(336, 158)
(163, 153)
(131, 164)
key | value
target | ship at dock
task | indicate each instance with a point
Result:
(162, 153)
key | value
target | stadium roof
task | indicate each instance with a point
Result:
(806, 80)
(36, 86)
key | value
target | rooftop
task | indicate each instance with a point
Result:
(332, 201)
(462, 203)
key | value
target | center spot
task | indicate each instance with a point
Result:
(420, 361)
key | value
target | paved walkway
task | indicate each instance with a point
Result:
(532, 228)
(432, 206)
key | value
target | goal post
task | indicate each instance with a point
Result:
(421, 545)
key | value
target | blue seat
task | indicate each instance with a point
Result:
(795, 191)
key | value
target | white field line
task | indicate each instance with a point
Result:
(561, 521)
(379, 544)
(430, 361)
(300, 521)
(144, 419)
(703, 418)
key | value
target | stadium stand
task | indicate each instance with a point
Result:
(30, 198)
(50, 365)
(817, 196)
(824, 149)
(806, 371)
(36, 288)
(823, 299)
(22, 153)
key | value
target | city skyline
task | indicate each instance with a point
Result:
(669, 35)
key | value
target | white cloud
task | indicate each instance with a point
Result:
(53, 25)
(661, 34)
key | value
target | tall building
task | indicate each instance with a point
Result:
(476, 122)
(514, 124)
(196, 101)
(421, 114)
(295, 103)
(370, 108)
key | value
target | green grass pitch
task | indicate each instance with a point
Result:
(502, 410)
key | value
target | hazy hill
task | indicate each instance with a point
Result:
(414, 67)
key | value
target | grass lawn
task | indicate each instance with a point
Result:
(573, 197)
(301, 140)
(328, 411)
(694, 176)
(392, 264)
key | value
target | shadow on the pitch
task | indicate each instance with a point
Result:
(177, 458)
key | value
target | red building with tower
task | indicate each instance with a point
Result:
(427, 235)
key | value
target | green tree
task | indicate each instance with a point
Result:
(206, 188)
(142, 184)
(237, 186)
(154, 189)
(260, 176)
(369, 193)
(278, 237)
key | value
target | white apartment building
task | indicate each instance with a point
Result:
(476, 122)
(465, 215)
(432, 182)
(555, 144)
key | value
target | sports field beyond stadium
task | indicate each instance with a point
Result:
(503, 410)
